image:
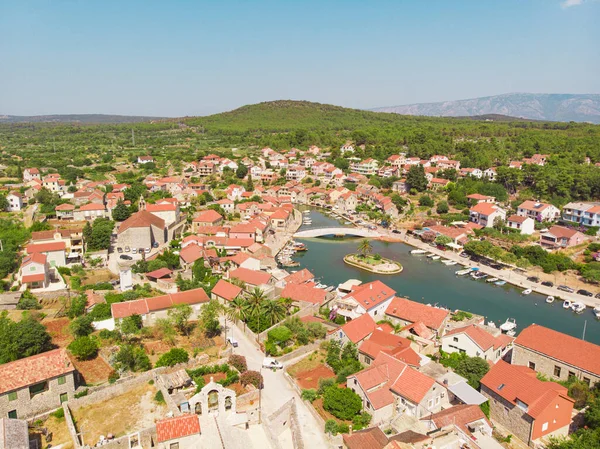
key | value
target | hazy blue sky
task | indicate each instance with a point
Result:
(176, 58)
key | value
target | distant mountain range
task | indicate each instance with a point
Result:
(76, 118)
(550, 107)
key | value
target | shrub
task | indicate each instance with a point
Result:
(343, 427)
(324, 384)
(132, 358)
(271, 348)
(252, 377)
(81, 326)
(84, 348)
(82, 393)
(316, 330)
(238, 362)
(361, 421)
(100, 312)
(173, 357)
(59, 413)
(426, 201)
(28, 302)
(461, 315)
(64, 270)
(485, 408)
(331, 427)
(77, 307)
(342, 403)
(280, 335)
(113, 377)
(159, 398)
(310, 394)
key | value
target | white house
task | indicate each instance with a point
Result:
(372, 298)
(145, 159)
(15, 202)
(347, 148)
(54, 251)
(477, 342)
(525, 225)
(34, 271)
(29, 174)
(485, 214)
(490, 174)
(538, 211)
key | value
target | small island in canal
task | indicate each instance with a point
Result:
(371, 262)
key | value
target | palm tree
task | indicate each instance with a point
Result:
(237, 311)
(286, 303)
(364, 247)
(273, 311)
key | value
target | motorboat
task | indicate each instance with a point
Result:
(500, 283)
(418, 251)
(511, 333)
(566, 304)
(526, 292)
(491, 280)
(597, 312)
(491, 324)
(449, 262)
(306, 212)
(299, 246)
(578, 307)
(509, 325)
(550, 299)
(463, 272)
(434, 257)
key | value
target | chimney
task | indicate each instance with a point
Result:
(370, 286)
(350, 429)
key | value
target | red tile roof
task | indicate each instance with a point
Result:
(165, 207)
(250, 277)
(394, 345)
(371, 294)
(145, 305)
(459, 415)
(92, 206)
(482, 338)
(484, 208)
(191, 253)
(128, 308)
(177, 427)
(514, 382)
(372, 438)
(34, 258)
(412, 385)
(562, 232)
(141, 219)
(299, 277)
(517, 219)
(563, 347)
(208, 216)
(34, 369)
(65, 206)
(160, 273)
(45, 247)
(33, 278)
(304, 292)
(359, 328)
(226, 290)
(412, 311)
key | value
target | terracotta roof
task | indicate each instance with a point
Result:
(128, 308)
(250, 277)
(141, 219)
(412, 385)
(482, 338)
(371, 294)
(359, 328)
(562, 232)
(65, 206)
(164, 207)
(535, 206)
(372, 438)
(92, 206)
(304, 292)
(30, 370)
(419, 329)
(160, 273)
(460, 415)
(34, 258)
(226, 290)
(514, 382)
(191, 253)
(517, 219)
(45, 247)
(394, 345)
(479, 196)
(484, 208)
(145, 305)
(93, 298)
(208, 216)
(299, 277)
(412, 311)
(563, 347)
(27, 278)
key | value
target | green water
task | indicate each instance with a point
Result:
(432, 282)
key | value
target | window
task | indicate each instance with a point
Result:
(544, 427)
(367, 360)
(12, 414)
(430, 403)
(38, 388)
(12, 396)
(556, 371)
(571, 374)
(586, 380)
(174, 446)
(455, 339)
(64, 397)
(62, 380)
(355, 382)
(368, 404)
(531, 365)
(522, 405)
(375, 313)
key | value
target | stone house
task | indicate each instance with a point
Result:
(14, 434)
(142, 230)
(529, 408)
(208, 217)
(475, 341)
(556, 355)
(225, 292)
(166, 210)
(36, 384)
(91, 211)
(29, 174)
(65, 211)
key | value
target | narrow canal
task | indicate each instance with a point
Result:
(431, 282)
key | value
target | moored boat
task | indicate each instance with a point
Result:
(434, 257)
(509, 325)
(500, 283)
(462, 272)
(449, 262)
(578, 307)
(550, 299)
(418, 251)
(597, 312)
(491, 280)
(526, 291)
(567, 304)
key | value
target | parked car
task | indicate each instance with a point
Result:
(270, 363)
(125, 257)
(463, 254)
(564, 288)
(134, 251)
(395, 231)
(597, 295)
(127, 249)
(548, 283)
(119, 250)
(232, 341)
(155, 245)
(584, 292)
(533, 279)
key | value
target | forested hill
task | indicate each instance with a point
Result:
(553, 107)
(76, 118)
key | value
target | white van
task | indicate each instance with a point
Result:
(270, 363)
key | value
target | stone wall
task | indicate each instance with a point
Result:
(300, 351)
(546, 365)
(283, 418)
(508, 415)
(247, 401)
(71, 427)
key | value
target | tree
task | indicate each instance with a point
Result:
(254, 304)
(241, 171)
(365, 247)
(132, 358)
(22, 339)
(28, 301)
(426, 201)
(164, 330)
(253, 378)
(179, 316)
(442, 207)
(250, 183)
(238, 362)
(416, 179)
(443, 240)
(131, 325)
(81, 326)
(343, 403)
(173, 357)
(121, 212)
(280, 335)
(237, 311)
(273, 311)
(77, 307)
(473, 369)
(209, 318)
(84, 348)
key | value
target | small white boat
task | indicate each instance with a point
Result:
(491, 324)
(526, 292)
(578, 307)
(511, 333)
(550, 299)
(491, 280)
(500, 283)
(434, 257)
(463, 272)
(509, 325)
(306, 212)
(597, 312)
(449, 262)
(418, 251)
(566, 304)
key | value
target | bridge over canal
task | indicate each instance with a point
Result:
(322, 232)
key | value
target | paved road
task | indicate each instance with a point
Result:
(277, 391)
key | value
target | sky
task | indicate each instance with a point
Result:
(177, 58)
